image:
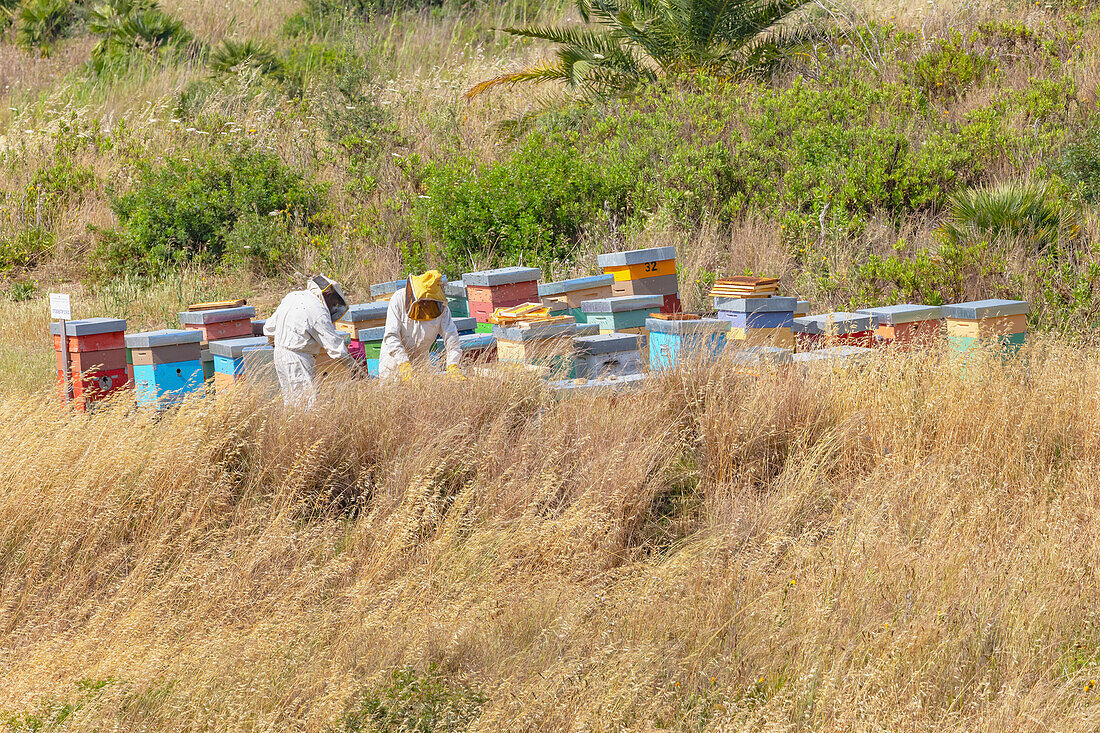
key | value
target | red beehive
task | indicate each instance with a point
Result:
(489, 290)
(97, 359)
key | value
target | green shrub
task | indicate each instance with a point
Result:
(411, 702)
(125, 27)
(231, 56)
(1080, 164)
(187, 208)
(41, 23)
(1008, 211)
(23, 290)
(948, 70)
(531, 206)
(260, 241)
(26, 248)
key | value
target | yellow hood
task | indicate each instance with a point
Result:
(427, 301)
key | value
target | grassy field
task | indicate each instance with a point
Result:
(906, 547)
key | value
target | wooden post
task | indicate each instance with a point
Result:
(68, 393)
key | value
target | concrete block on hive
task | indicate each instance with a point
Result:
(663, 285)
(981, 309)
(636, 257)
(501, 277)
(218, 315)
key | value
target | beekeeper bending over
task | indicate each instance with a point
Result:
(418, 314)
(302, 326)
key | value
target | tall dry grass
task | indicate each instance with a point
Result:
(910, 546)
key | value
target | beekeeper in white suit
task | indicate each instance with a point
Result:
(302, 326)
(417, 316)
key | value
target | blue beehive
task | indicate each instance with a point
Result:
(229, 354)
(167, 366)
(670, 341)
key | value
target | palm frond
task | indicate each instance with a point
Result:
(542, 71)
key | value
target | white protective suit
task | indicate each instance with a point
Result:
(407, 339)
(302, 327)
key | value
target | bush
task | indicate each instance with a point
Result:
(1006, 212)
(128, 26)
(186, 209)
(26, 248)
(1080, 165)
(41, 23)
(530, 207)
(949, 70)
(416, 703)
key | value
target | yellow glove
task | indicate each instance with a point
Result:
(454, 372)
(406, 371)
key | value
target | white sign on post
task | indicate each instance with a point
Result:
(60, 307)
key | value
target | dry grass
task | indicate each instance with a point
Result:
(910, 548)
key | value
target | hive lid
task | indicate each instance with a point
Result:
(216, 315)
(774, 304)
(889, 315)
(578, 283)
(978, 309)
(465, 323)
(535, 332)
(365, 312)
(387, 288)
(834, 353)
(501, 276)
(696, 326)
(832, 324)
(165, 337)
(456, 289)
(476, 341)
(234, 348)
(623, 304)
(636, 257)
(371, 334)
(606, 343)
(89, 326)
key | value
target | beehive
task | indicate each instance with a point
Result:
(549, 346)
(831, 357)
(506, 287)
(833, 329)
(218, 324)
(566, 296)
(362, 315)
(97, 359)
(456, 299)
(622, 312)
(672, 342)
(644, 272)
(167, 366)
(1000, 324)
(759, 321)
(607, 355)
(229, 366)
(905, 324)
